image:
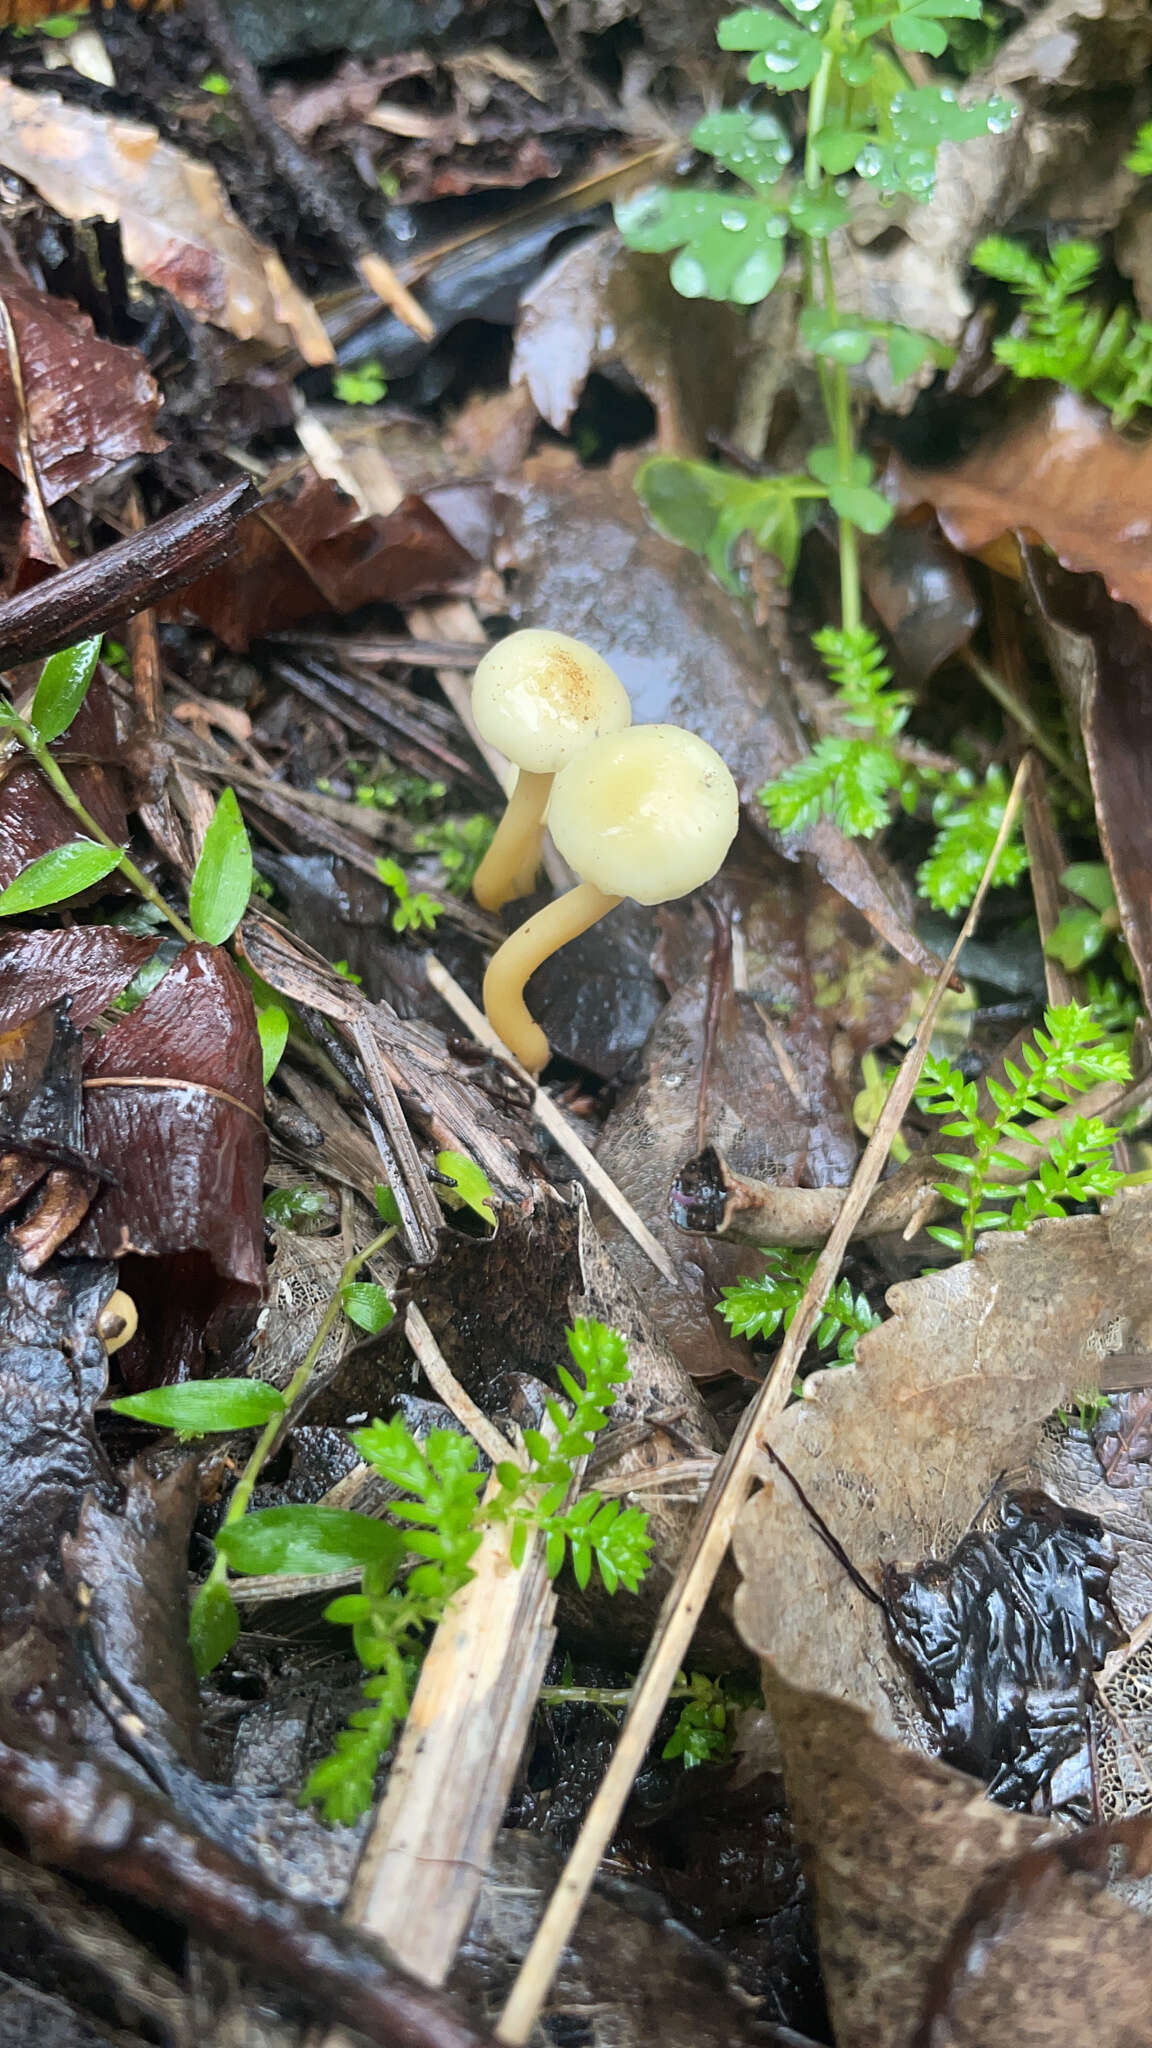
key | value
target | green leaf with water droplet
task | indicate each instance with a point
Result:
(787, 57)
(58, 875)
(731, 248)
(753, 146)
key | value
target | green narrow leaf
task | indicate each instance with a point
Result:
(63, 686)
(473, 1189)
(222, 882)
(201, 1407)
(368, 1306)
(57, 876)
(308, 1539)
(272, 1024)
(213, 1626)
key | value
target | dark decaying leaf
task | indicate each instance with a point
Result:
(89, 403)
(1002, 1640)
(32, 818)
(311, 552)
(922, 594)
(583, 552)
(52, 1373)
(89, 963)
(42, 1133)
(173, 1095)
(1102, 654)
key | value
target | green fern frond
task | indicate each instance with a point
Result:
(1106, 355)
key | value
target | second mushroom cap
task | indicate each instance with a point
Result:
(647, 813)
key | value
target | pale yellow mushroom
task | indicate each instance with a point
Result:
(540, 698)
(117, 1321)
(648, 813)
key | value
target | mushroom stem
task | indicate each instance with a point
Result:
(537, 939)
(502, 872)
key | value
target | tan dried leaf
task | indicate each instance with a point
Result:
(898, 1453)
(944, 1921)
(178, 228)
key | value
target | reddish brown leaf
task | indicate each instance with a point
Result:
(173, 1106)
(89, 403)
(310, 552)
(33, 820)
(90, 963)
(1062, 473)
(1102, 653)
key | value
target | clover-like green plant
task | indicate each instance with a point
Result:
(1072, 1165)
(867, 123)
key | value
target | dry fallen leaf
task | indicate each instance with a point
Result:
(89, 403)
(178, 228)
(1062, 473)
(601, 306)
(898, 1453)
(1102, 655)
(943, 1920)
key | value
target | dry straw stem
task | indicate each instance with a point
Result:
(557, 1126)
(710, 1538)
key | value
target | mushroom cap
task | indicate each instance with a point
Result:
(541, 697)
(648, 813)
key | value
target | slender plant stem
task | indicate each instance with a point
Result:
(52, 772)
(293, 1393)
(1028, 722)
(598, 1695)
(834, 387)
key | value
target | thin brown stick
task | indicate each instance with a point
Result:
(310, 184)
(38, 514)
(713, 1531)
(554, 1122)
(444, 1382)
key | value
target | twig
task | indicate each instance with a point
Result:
(713, 1530)
(92, 1819)
(555, 1123)
(394, 1141)
(308, 182)
(442, 1379)
(38, 513)
(1046, 863)
(1027, 720)
(126, 577)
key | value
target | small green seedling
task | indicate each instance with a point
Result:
(412, 913)
(1069, 1055)
(758, 1308)
(1067, 339)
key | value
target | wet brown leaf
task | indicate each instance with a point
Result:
(33, 820)
(752, 1068)
(1102, 654)
(174, 1106)
(1059, 472)
(686, 651)
(310, 552)
(89, 403)
(178, 228)
(88, 963)
(941, 1923)
(601, 306)
(898, 1454)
